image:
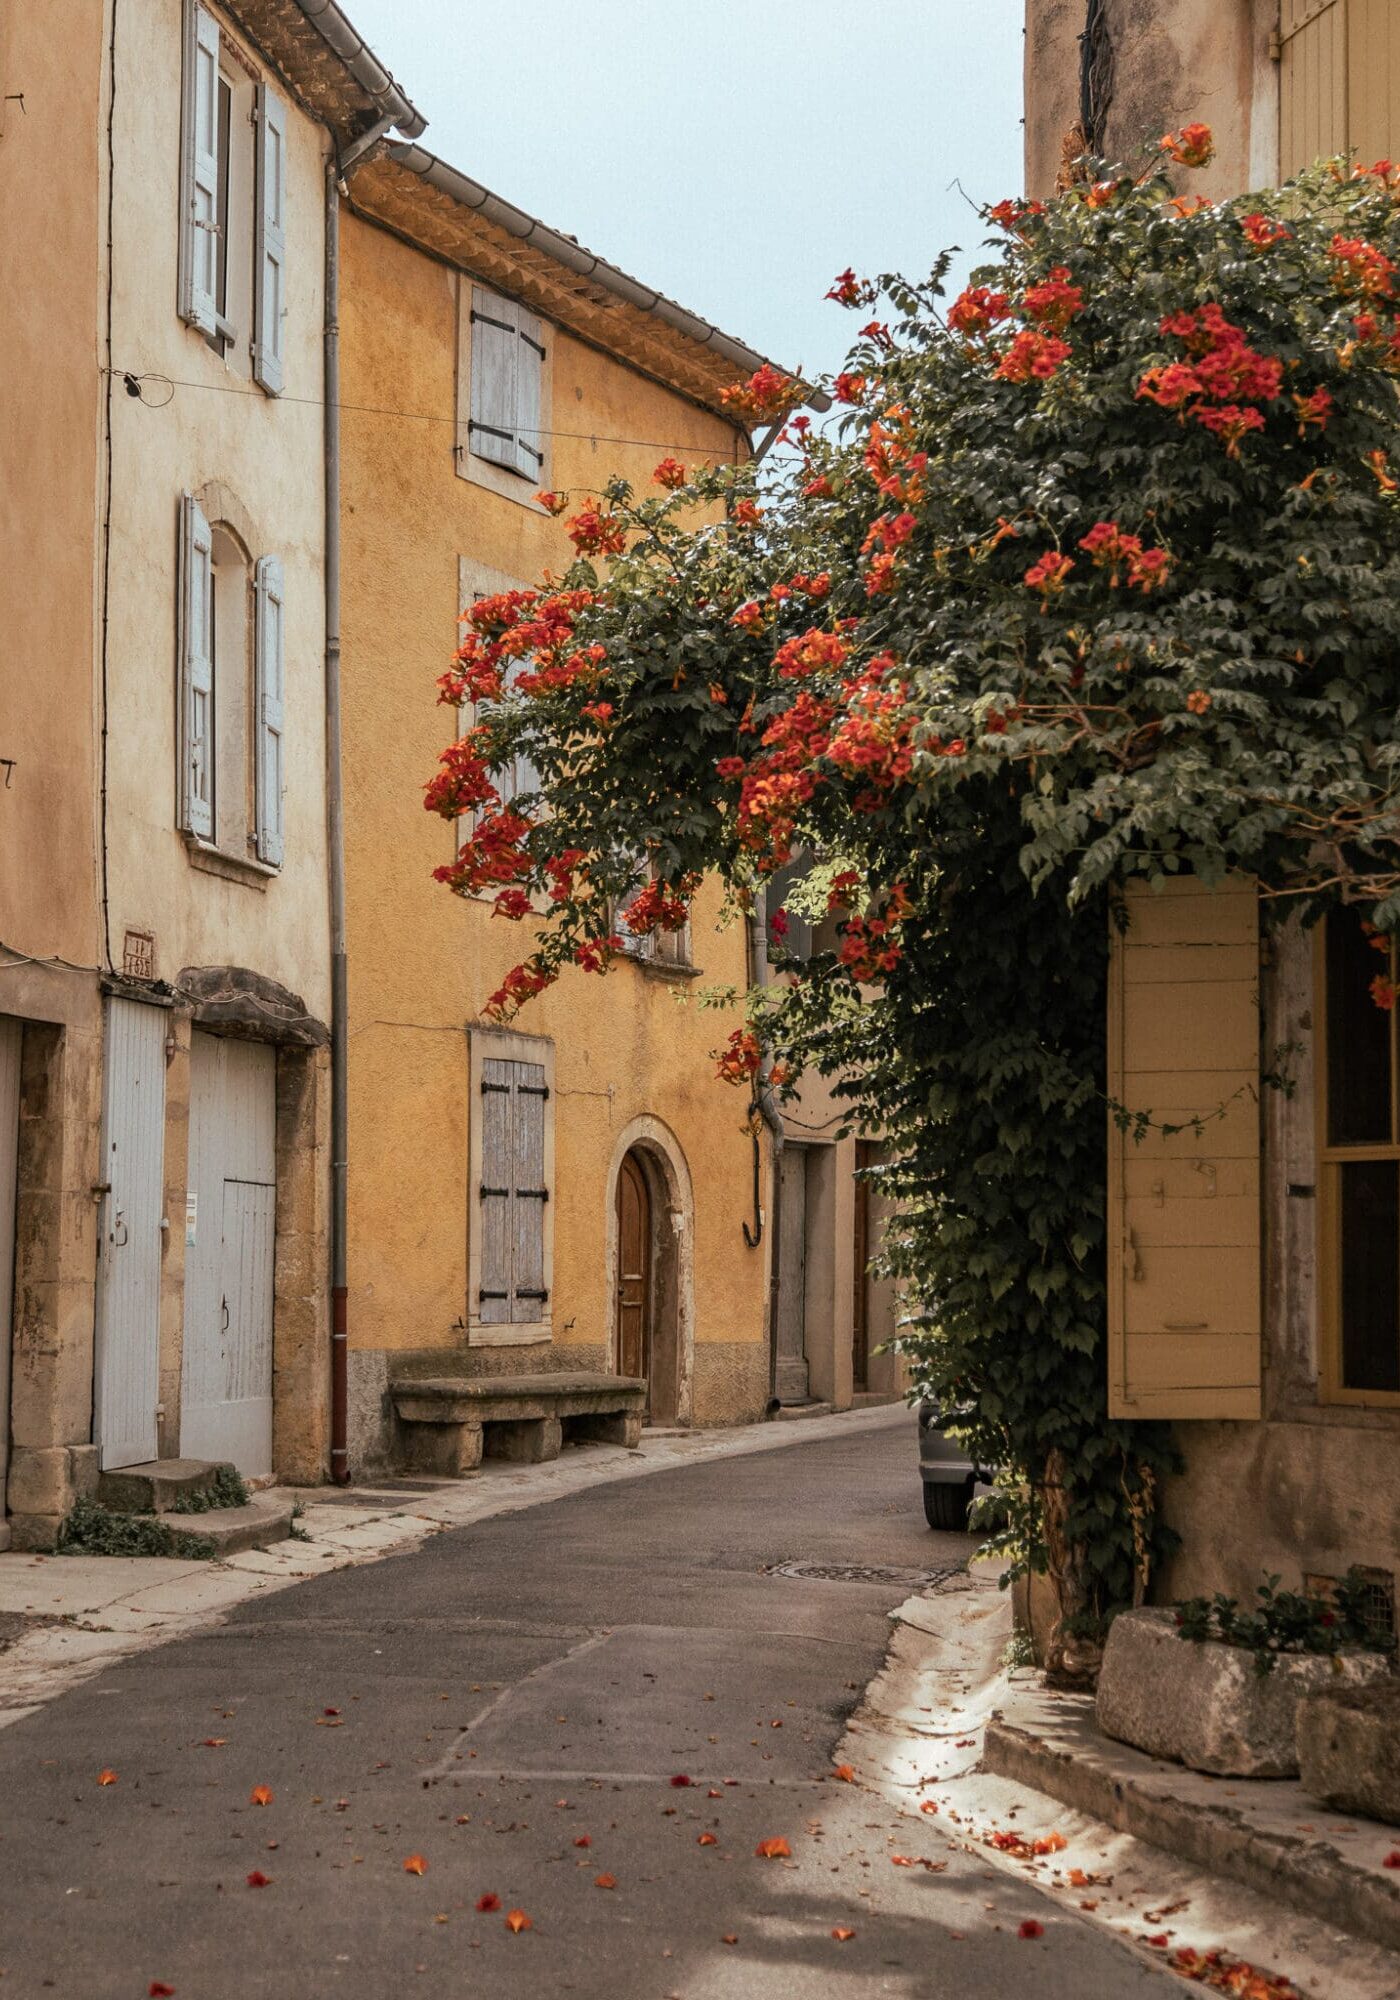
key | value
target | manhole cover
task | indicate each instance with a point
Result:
(907, 1579)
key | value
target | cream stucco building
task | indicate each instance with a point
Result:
(165, 962)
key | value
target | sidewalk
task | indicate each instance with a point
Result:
(987, 1762)
(65, 1618)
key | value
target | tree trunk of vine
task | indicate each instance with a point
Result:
(1071, 1660)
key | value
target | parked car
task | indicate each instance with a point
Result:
(950, 1477)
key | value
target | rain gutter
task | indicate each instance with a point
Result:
(391, 105)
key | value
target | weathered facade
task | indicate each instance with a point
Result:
(1254, 1288)
(571, 1192)
(164, 983)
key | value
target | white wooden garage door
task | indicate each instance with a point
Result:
(230, 1228)
(127, 1387)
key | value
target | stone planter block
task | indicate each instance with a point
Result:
(1204, 1705)
(1349, 1749)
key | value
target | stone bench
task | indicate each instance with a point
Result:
(450, 1420)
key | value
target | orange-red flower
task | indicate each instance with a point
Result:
(1032, 357)
(1192, 146)
(1048, 575)
(670, 474)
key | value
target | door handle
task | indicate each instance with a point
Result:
(225, 1307)
(120, 1233)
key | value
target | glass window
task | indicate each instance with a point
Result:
(1360, 1167)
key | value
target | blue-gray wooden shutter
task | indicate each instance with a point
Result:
(512, 1196)
(200, 249)
(269, 659)
(495, 339)
(270, 243)
(196, 694)
(529, 376)
(529, 1299)
(494, 1194)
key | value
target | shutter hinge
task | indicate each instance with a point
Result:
(504, 1193)
(532, 1089)
(502, 1088)
(483, 1294)
(532, 1194)
(521, 1292)
(1275, 45)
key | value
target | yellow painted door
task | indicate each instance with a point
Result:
(1183, 1202)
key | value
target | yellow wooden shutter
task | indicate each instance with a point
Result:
(1183, 1210)
(1339, 81)
(1373, 80)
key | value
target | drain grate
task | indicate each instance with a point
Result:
(907, 1579)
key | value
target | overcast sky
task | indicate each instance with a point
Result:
(733, 153)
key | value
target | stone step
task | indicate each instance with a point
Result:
(158, 1486)
(790, 1413)
(256, 1526)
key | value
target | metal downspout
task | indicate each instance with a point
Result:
(336, 170)
(773, 1119)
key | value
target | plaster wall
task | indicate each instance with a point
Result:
(49, 428)
(629, 1046)
(257, 460)
(49, 447)
(1173, 61)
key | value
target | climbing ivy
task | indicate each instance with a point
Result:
(1095, 576)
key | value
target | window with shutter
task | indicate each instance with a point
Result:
(196, 691)
(270, 242)
(1184, 1310)
(1339, 81)
(503, 390)
(269, 707)
(1359, 1165)
(509, 1252)
(200, 251)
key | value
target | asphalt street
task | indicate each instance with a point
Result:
(512, 1707)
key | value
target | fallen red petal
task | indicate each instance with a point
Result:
(1031, 1929)
(516, 1920)
(257, 1880)
(488, 1902)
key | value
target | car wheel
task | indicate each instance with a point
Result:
(946, 1505)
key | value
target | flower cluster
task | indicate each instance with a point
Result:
(671, 474)
(521, 983)
(738, 1060)
(1262, 231)
(1032, 357)
(1223, 384)
(1359, 269)
(870, 946)
(1049, 574)
(813, 652)
(976, 310)
(1110, 548)
(1054, 302)
(849, 290)
(765, 395)
(596, 531)
(659, 907)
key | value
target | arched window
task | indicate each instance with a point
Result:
(231, 692)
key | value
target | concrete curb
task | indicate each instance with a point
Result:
(1299, 1870)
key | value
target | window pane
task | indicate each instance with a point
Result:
(1358, 1038)
(1371, 1274)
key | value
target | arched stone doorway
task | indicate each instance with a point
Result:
(650, 1217)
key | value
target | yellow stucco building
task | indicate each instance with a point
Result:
(510, 361)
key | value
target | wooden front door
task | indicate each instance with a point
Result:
(633, 1270)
